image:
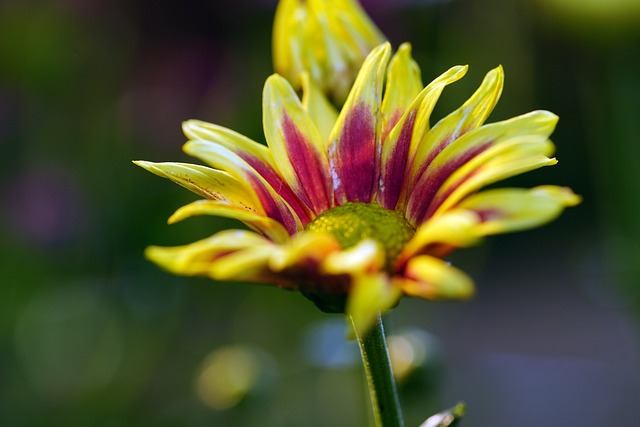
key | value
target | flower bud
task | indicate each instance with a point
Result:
(329, 39)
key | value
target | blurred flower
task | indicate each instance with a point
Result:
(598, 21)
(411, 351)
(229, 374)
(356, 209)
(329, 39)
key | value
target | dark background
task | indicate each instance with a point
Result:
(91, 334)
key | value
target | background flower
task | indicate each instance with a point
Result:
(328, 39)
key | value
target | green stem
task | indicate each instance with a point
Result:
(382, 385)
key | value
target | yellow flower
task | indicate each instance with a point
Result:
(329, 39)
(359, 208)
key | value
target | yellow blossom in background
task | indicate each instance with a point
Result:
(356, 208)
(329, 39)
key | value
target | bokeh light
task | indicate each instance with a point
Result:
(227, 375)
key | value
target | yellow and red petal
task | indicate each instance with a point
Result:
(212, 144)
(469, 116)
(434, 279)
(229, 255)
(321, 111)
(455, 228)
(296, 145)
(496, 164)
(273, 204)
(399, 145)
(209, 183)
(404, 83)
(514, 209)
(354, 144)
(460, 157)
(259, 222)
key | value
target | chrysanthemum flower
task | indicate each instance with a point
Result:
(359, 208)
(329, 39)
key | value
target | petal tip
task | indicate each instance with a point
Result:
(142, 163)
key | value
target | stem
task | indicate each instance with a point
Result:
(382, 385)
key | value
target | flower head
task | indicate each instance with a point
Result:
(329, 39)
(357, 208)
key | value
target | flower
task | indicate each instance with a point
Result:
(359, 208)
(327, 38)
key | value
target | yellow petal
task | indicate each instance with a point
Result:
(196, 258)
(514, 159)
(296, 144)
(303, 250)
(209, 183)
(348, 36)
(232, 140)
(288, 18)
(456, 228)
(404, 83)
(469, 116)
(511, 209)
(250, 264)
(258, 222)
(368, 255)
(432, 278)
(535, 126)
(370, 295)
(323, 114)
(327, 39)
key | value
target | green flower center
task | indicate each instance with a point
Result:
(354, 222)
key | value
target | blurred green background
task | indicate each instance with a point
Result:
(91, 334)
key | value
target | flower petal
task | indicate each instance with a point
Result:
(533, 128)
(349, 35)
(273, 204)
(296, 144)
(328, 39)
(252, 152)
(514, 209)
(286, 37)
(305, 251)
(366, 256)
(354, 143)
(432, 278)
(455, 228)
(403, 85)
(206, 182)
(206, 136)
(263, 224)
(228, 255)
(322, 113)
(353, 21)
(400, 143)
(496, 164)
(370, 295)
(469, 116)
